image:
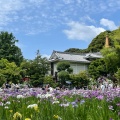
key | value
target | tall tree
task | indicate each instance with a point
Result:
(8, 49)
(36, 69)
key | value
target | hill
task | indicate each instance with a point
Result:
(99, 41)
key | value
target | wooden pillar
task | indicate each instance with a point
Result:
(52, 68)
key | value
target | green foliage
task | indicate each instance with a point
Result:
(36, 69)
(97, 68)
(70, 70)
(8, 49)
(115, 36)
(64, 70)
(111, 58)
(2, 79)
(9, 71)
(106, 51)
(64, 65)
(49, 80)
(36, 80)
(99, 42)
(111, 61)
(112, 55)
(117, 50)
(117, 75)
(76, 50)
(89, 109)
(25, 66)
(80, 80)
(63, 76)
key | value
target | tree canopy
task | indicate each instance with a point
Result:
(8, 48)
(9, 72)
(97, 68)
(36, 69)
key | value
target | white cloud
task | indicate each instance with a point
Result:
(79, 31)
(9, 7)
(44, 15)
(87, 18)
(108, 23)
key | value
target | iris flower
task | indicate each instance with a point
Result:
(17, 115)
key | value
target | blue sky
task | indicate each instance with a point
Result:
(58, 25)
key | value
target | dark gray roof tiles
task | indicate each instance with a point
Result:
(72, 57)
(75, 57)
(93, 55)
(69, 57)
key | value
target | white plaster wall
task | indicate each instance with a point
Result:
(77, 67)
(55, 68)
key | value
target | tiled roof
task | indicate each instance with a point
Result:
(93, 55)
(69, 57)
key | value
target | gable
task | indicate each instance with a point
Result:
(53, 56)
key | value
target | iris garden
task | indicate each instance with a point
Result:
(36, 104)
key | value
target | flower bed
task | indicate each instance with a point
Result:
(35, 104)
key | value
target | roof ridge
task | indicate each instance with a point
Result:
(69, 53)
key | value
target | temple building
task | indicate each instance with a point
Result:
(79, 62)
